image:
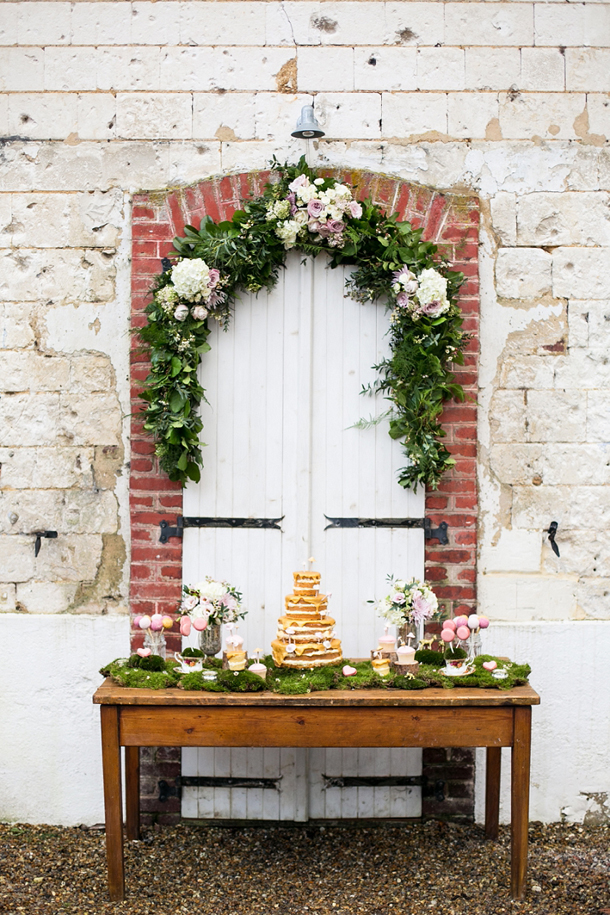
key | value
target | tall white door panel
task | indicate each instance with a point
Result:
(283, 388)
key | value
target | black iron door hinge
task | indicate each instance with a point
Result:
(234, 523)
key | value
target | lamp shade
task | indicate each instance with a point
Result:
(307, 126)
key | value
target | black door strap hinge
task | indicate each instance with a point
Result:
(232, 523)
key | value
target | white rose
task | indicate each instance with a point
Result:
(181, 313)
(400, 585)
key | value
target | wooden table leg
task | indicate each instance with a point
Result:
(111, 761)
(132, 792)
(492, 792)
(520, 792)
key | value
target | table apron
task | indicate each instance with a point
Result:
(260, 726)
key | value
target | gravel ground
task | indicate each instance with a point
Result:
(375, 870)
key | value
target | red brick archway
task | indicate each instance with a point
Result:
(450, 220)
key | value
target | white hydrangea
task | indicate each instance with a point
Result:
(212, 590)
(287, 232)
(279, 210)
(191, 279)
(432, 288)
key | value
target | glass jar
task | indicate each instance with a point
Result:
(155, 640)
(210, 639)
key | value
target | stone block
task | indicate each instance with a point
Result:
(33, 274)
(587, 69)
(555, 416)
(228, 23)
(17, 558)
(90, 373)
(128, 69)
(598, 110)
(597, 25)
(440, 68)
(325, 69)
(504, 218)
(582, 369)
(581, 271)
(28, 419)
(28, 371)
(507, 416)
(385, 69)
(22, 70)
(347, 115)
(46, 468)
(45, 596)
(598, 417)
(228, 117)
(41, 116)
(189, 69)
(573, 507)
(407, 115)
(71, 557)
(155, 23)
(291, 25)
(593, 599)
(523, 273)
(44, 23)
(413, 24)
(96, 116)
(515, 551)
(101, 23)
(8, 597)
(542, 70)
(35, 510)
(489, 24)
(70, 69)
(346, 23)
(492, 68)
(520, 371)
(578, 323)
(564, 219)
(91, 219)
(544, 464)
(188, 161)
(470, 114)
(8, 25)
(146, 116)
(15, 327)
(273, 108)
(530, 115)
(89, 512)
(559, 25)
(521, 598)
(89, 419)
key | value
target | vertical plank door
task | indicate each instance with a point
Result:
(283, 389)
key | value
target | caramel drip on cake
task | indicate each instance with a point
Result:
(306, 635)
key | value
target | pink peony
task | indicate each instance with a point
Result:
(301, 181)
(355, 210)
(214, 276)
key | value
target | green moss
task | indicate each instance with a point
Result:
(153, 662)
(195, 681)
(427, 656)
(192, 653)
(241, 681)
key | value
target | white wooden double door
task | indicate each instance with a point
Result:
(284, 392)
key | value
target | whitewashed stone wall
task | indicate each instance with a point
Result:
(510, 100)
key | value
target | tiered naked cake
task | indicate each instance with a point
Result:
(306, 635)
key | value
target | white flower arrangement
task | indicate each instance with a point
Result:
(212, 601)
(425, 295)
(408, 602)
(315, 208)
(194, 291)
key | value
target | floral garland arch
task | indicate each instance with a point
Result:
(311, 213)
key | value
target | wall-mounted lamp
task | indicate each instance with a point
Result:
(307, 125)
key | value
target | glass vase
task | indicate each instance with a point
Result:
(155, 640)
(210, 639)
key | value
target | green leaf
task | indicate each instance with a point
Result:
(176, 366)
(182, 461)
(176, 401)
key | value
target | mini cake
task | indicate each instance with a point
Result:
(306, 635)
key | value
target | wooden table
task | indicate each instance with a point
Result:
(134, 718)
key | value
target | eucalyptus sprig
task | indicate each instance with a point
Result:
(394, 266)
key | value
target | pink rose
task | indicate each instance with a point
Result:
(431, 308)
(313, 225)
(324, 230)
(398, 598)
(199, 313)
(301, 181)
(292, 200)
(181, 313)
(355, 209)
(315, 208)
(336, 226)
(402, 299)
(214, 276)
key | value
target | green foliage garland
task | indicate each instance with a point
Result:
(247, 251)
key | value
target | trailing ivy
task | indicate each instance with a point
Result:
(394, 267)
